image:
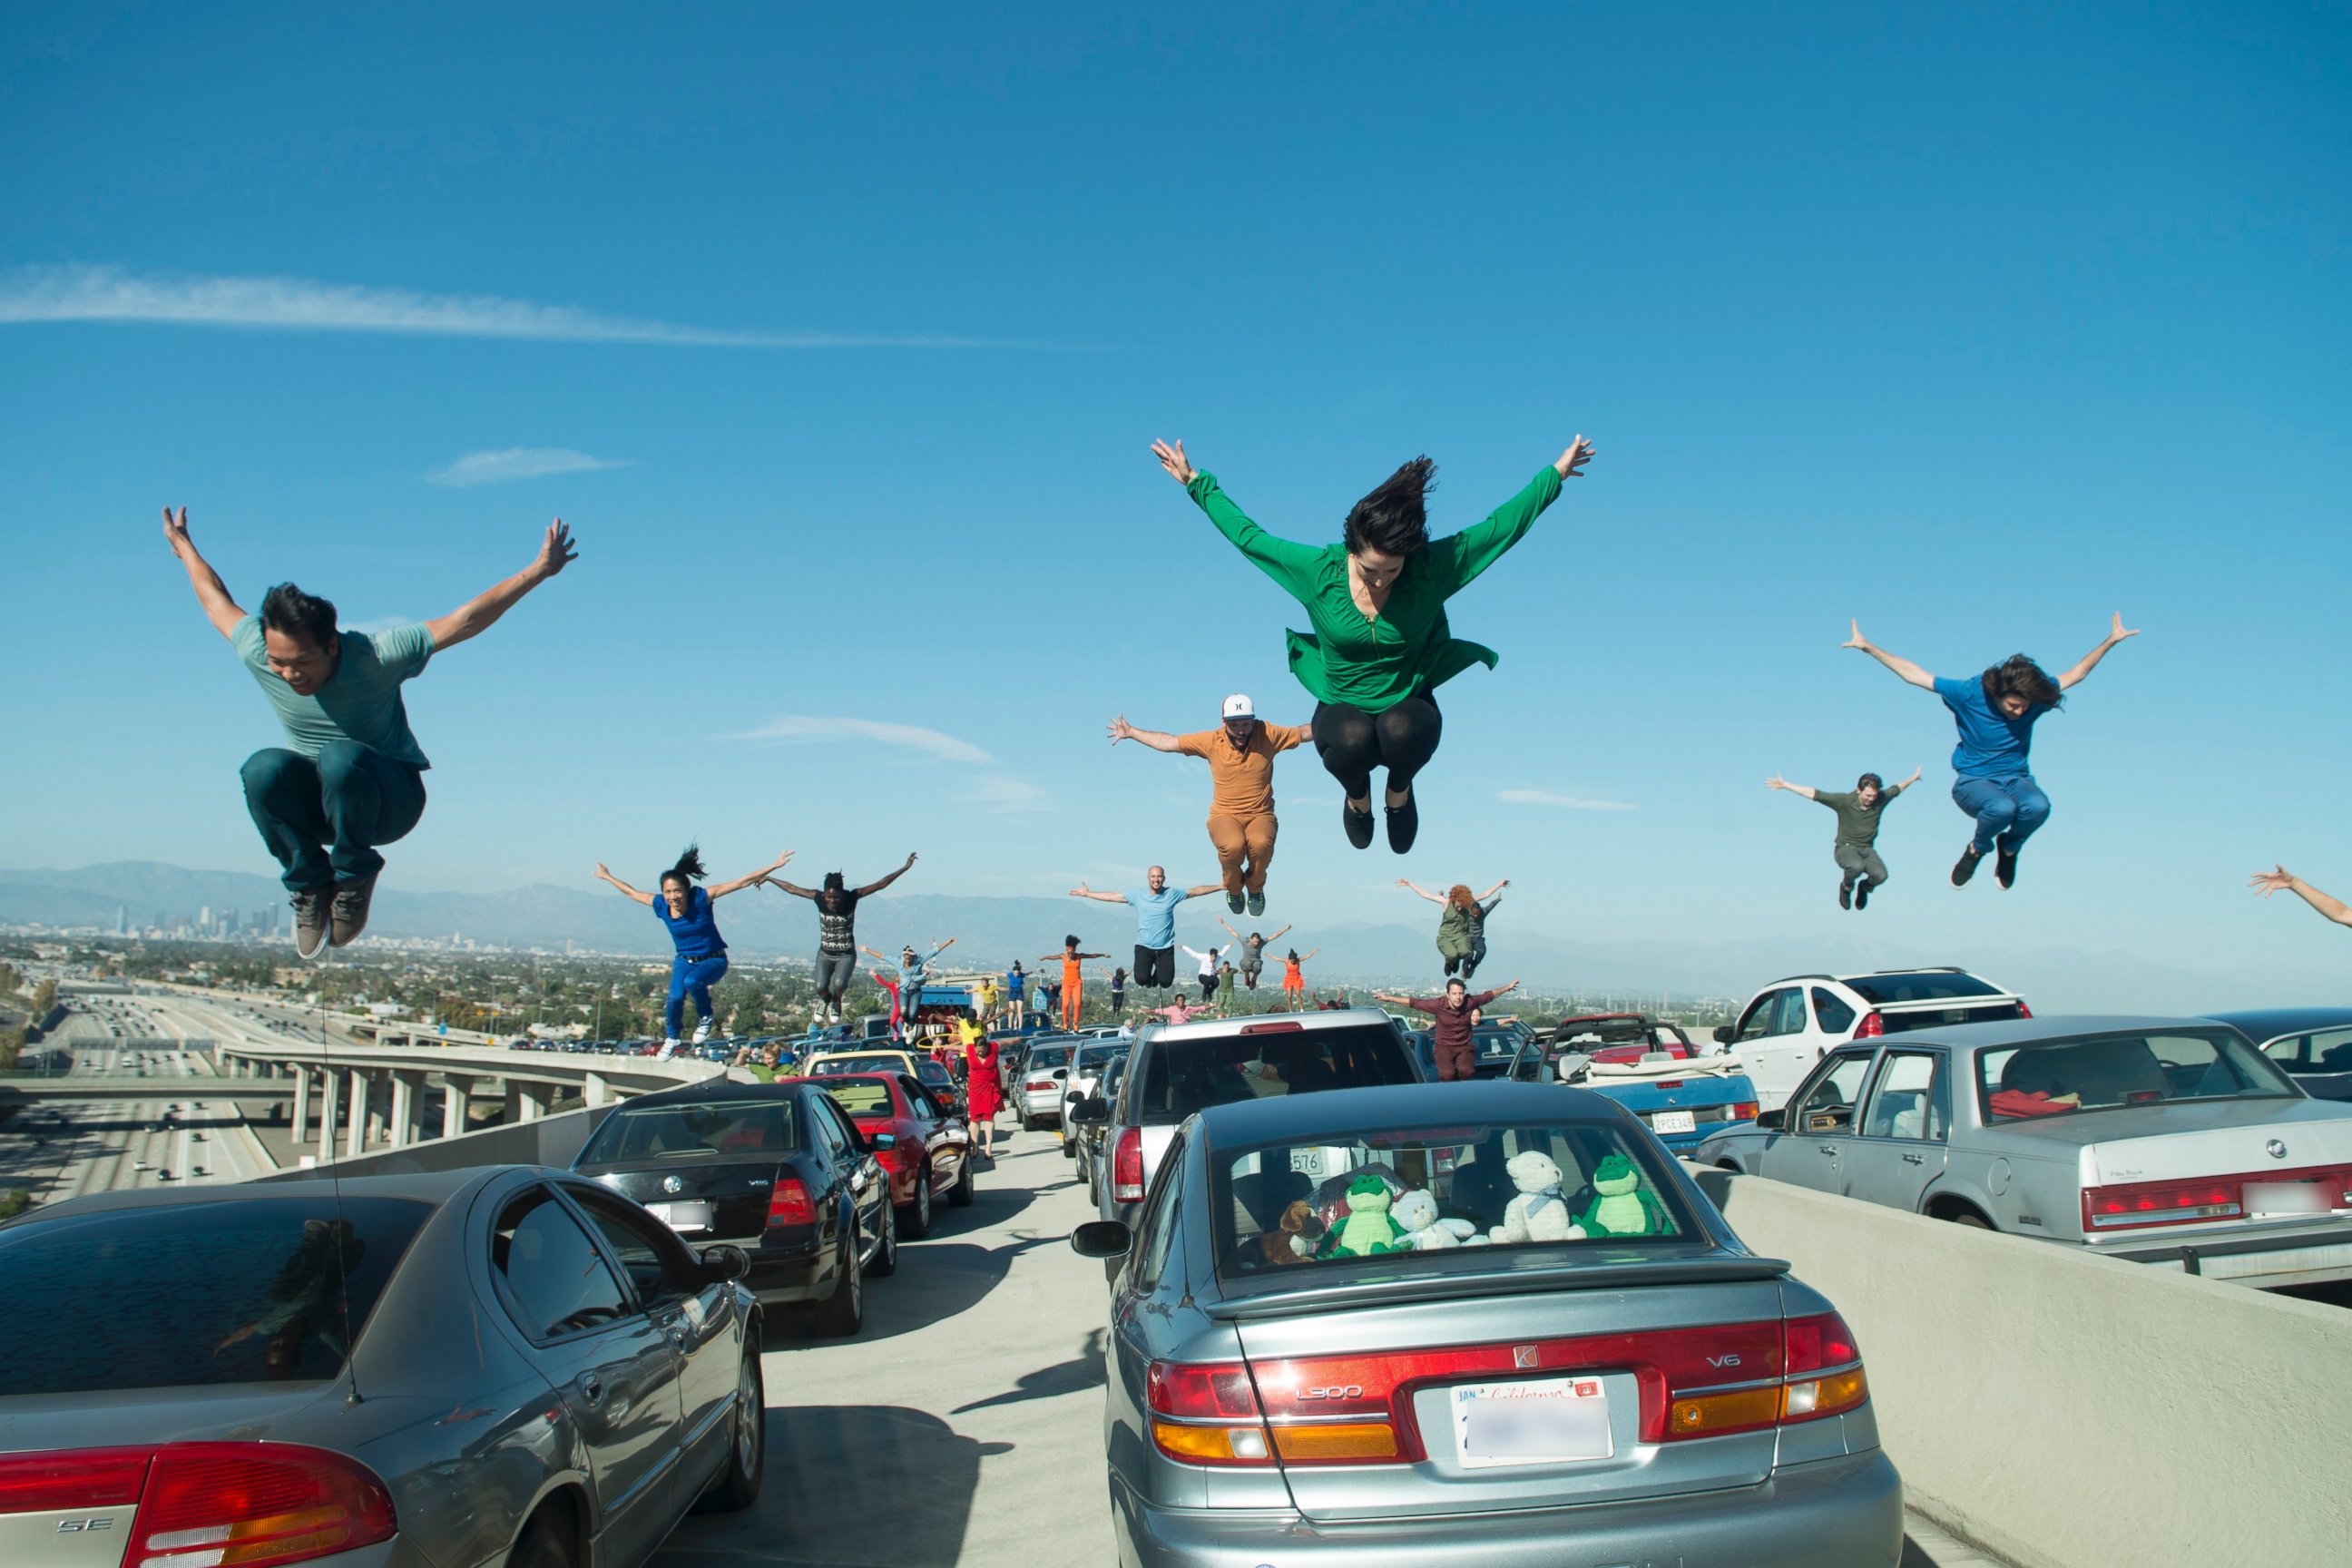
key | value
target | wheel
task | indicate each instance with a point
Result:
(544, 1544)
(916, 1224)
(885, 1257)
(961, 1195)
(1972, 1219)
(844, 1312)
(747, 1451)
(1070, 1149)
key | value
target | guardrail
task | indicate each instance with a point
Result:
(2066, 1411)
(551, 1141)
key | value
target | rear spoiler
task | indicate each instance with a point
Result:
(1402, 1289)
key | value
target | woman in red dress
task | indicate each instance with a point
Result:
(980, 1092)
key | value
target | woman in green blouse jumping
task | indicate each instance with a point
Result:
(1377, 601)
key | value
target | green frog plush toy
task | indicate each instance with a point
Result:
(1367, 1229)
(1623, 1208)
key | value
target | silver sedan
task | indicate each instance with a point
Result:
(499, 1368)
(2162, 1140)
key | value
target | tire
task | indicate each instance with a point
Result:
(961, 1195)
(1972, 1219)
(915, 1219)
(1070, 1149)
(885, 1257)
(544, 1544)
(738, 1487)
(843, 1313)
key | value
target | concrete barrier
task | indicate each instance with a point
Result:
(2065, 1411)
(547, 1141)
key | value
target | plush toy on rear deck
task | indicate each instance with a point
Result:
(1623, 1208)
(1367, 1229)
(1540, 1212)
(1416, 1211)
(1293, 1241)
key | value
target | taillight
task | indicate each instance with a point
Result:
(212, 1505)
(1745, 1110)
(1873, 1026)
(1206, 1415)
(1040, 1084)
(2307, 1190)
(2023, 1010)
(1822, 1345)
(1127, 1167)
(789, 1203)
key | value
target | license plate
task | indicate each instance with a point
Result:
(1307, 1161)
(681, 1216)
(1674, 1121)
(1545, 1421)
(2289, 1197)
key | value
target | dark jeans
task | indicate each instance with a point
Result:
(323, 819)
(2007, 810)
(834, 973)
(1863, 863)
(1154, 966)
(1353, 743)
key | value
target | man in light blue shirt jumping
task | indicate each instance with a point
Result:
(1155, 922)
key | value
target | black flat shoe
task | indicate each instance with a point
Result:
(1359, 824)
(1404, 823)
(2004, 866)
(1966, 867)
(1845, 895)
(1862, 895)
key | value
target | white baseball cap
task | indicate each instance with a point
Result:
(1238, 705)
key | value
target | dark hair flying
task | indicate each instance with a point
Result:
(688, 869)
(1392, 519)
(1870, 781)
(2018, 675)
(288, 610)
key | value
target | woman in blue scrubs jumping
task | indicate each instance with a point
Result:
(701, 958)
(1995, 712)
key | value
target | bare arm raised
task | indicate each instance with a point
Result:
(1083, 891)
(721, 889)
(1424, 892)
(1777, 781)
(211, 592)
(2283, 880)
(1895, 662)
(2090, 661)
(1157, 739)
(876, 887)
(477, 614)
(642, 898)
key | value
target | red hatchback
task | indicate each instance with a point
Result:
(931, 1159)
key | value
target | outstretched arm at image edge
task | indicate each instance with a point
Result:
(2281, 879)
(2090, 661)
(211, 592)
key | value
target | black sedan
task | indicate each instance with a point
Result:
(775, 1168)
(501, 1365)
(2313, 1044)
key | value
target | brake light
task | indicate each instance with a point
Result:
(2160, 1203)
(1041, 1083)
(789, 1203)
(1745, 1110)
(1206, 1415)
(1821, 1344)
(1873, 1026)
(1287, 1027)
(212, 1505)
(2023, 1010)
(1127, 1167)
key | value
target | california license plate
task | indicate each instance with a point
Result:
(1542, 1421)
(1674, 1121)
(681, 1216)
(2289, 1197)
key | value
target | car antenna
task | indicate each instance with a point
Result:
(335, 1178)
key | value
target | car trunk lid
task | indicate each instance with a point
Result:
(708, 1200)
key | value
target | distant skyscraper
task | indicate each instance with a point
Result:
(204, 920)
(123, 919)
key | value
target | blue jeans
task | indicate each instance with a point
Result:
(692, 977)
(349, 798)
(2007, 809)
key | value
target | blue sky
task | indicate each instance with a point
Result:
(840, 339)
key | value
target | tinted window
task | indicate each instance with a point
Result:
(862, 1096)
(1385, 1192)
(1909, 1101)
(689, 1133)
(1584, 1034)
(1834, 1016)
(1759, 1021)
(2323, 1051)
(1182, 1076)
(1789, 1015)
(2106, 1072)
(1049, 1056)
(557, 1282)
(650, 1253)
(1160, 1224)
(1930, 986)
(1828, 1105)
(835, 1066)
(195, 1293)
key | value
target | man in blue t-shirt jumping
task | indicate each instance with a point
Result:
(351, 776)
(1995, 713)
(1155, 922)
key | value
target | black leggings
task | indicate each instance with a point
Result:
(1353, 743)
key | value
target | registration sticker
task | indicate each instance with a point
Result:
(1542, 1421)
(1674, 1121)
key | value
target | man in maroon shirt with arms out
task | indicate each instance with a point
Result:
(1450, 1024)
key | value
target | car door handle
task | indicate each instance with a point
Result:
(1827, 1148)
(675, 1329)
(592, 1387)
(1914, 1160)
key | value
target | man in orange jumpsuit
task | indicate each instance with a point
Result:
(1242, 824)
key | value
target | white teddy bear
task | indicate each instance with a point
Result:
(1540, 1211)
(1416, 1211)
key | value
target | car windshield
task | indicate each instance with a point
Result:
(243, 1291)
(1934, 985)
(863, 1096)
(723, 1128)
(1432, 1189)
(2106, 1072)
(1182, 1076)
(1049, 1056)
(835, 1066)
(1093, 1059)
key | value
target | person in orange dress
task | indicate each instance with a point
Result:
(1294, 982)
(1074, 977)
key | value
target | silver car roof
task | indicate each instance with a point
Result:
(2035, 1031)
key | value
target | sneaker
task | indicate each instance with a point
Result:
(310, 921)
(701, 1030)
(1845, 895)
(2004, 866)
(1359, 824)
(349, 911)
(1233, 902)
(1404, 823)
(1862, 895)
(669, 1048)
(1257, 902)
(1966, 867)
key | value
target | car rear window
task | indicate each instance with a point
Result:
(1936, 1017)
(1374, 1193)
(862, 1096)
(1049, 1056)
(836, 1066)
(693, 1132)
(199, 1293)
(1934, 985)
(1182, 1076)
(1580, 1033)
(2111, 1072)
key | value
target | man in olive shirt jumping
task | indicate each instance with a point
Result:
(351, 776)
(1857, 834)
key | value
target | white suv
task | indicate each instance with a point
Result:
(1790, 1025)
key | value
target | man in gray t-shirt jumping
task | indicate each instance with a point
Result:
(350, 775)
(1857, 834)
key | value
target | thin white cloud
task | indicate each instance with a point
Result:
(1568, 801)
(516, 463)
(800, 728)
(303, 304)
(1002, 791)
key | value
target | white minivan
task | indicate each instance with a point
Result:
(1789, 1026)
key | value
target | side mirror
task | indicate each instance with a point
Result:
(1723, 1034)
(722, 1263)
(1092, 1111)
(880, 1140)
(1772, 1120)
(1100, 1238)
